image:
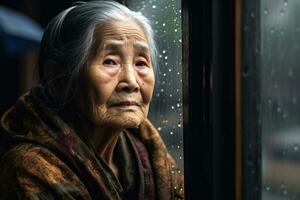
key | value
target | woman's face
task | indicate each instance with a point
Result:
(119, 81)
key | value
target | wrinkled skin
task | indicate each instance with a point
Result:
(119, 78)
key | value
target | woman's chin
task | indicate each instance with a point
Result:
(127, 121)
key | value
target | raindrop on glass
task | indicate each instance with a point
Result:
(154, 6)
(296, 147)
(282, 12)
(285, 3)
(269, 101)
(159, 128)
(268, 188)
(171, 133)
(290, 72)
(285, 192)
(164, 24)
(266, 11)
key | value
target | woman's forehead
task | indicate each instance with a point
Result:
(121, 30)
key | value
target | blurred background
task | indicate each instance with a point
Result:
(21, 27)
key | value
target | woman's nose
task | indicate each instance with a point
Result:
(128, 79)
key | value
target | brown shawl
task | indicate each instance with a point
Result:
(47, 160)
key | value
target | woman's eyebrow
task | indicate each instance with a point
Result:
(117, 46)
(113, 46)
(141, 47)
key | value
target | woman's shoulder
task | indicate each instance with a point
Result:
(33, 169)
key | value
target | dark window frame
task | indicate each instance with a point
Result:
(209, 99)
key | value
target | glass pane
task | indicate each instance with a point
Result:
(166, 108)
(280, 92)
(273, 79)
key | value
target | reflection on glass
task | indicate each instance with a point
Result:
(280, 99)
(166, 107)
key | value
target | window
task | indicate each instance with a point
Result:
(271, 93)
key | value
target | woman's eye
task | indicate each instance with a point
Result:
(141, 64)
(110, 62)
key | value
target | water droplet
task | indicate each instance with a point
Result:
(179, 125)
(269, 101)
(164, 51)
(154, 6)
(266, 11)
(278, 109)
(285, 3)
(166, 57)
(162, 90)
(285, 192)
(164, 24)
(282, 12)
(272, 30)
(159, 128)
(170, 70)
(268, 188)
(252, 15)
(175, 30)
(180, 40)
(171, 95)
(164, 74)
(172, 107)
(296, 147)
(178, 147)
(178, 105)
(180, 157)
(156, 22)
(171, 133)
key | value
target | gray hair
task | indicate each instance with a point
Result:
(69, 37)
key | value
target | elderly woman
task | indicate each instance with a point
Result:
(84, 133)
